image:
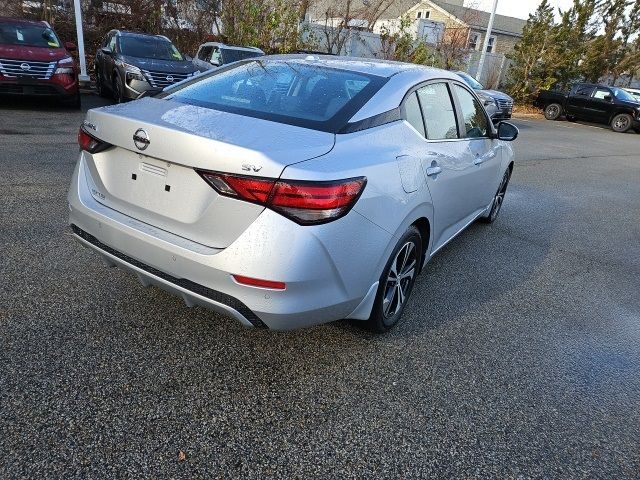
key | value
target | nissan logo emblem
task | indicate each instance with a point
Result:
(141, 139)
(169, 78)
(25, 66)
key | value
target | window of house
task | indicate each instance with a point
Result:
(474, 39)
(419, 15)
(427, 14)
(492, 44)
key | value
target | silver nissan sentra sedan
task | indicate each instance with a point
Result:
(288, 191)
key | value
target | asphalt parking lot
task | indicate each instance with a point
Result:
(519, 354)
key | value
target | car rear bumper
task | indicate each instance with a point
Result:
(328, 270)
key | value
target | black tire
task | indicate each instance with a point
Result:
(498, 199)
(100, 90)
(621, 123)
(553, 111)
(118, 89)
(570, 118)
(389, 304)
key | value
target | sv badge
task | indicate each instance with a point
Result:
(250, 168)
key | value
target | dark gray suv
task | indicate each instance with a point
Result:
(499, 105)
(129, 65)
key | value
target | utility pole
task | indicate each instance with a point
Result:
(486, 41)
(83, 77)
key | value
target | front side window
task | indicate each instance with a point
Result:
(205, 53)
(291, 92)
(149, 47)
(437, 110)
(601, 93)
(475, 120)
(28, 36)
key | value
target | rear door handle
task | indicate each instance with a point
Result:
(433, 170)
(478, 160)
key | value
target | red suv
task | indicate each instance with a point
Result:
(34, 62)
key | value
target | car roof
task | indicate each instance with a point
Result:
(23, 21)
(128, 33)
(224, 45)
(370, 66)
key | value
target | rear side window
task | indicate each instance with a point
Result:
(475, 120)
(291, 92)
(413, 114)
(584, 91)
(438, 112)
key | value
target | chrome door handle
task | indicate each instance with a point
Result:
(478, 160)
(434, 170)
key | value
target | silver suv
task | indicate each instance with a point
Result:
(289, 191)
(212, 55)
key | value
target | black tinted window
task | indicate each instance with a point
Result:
(413, 114)
(584, 91)
(289, 92)
(475, 119)
(230, 55)
(437, 108)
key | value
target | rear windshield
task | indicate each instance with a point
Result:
(148, 47)
(28, 35)
(230, 55)
(284, 91)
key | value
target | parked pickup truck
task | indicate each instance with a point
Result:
(592, 103)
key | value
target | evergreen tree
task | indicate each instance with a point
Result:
(531, 69)
(603, 53)
(571, 39)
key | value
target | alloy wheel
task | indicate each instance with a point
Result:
(621, 123)
(553, 111)
(398, 284)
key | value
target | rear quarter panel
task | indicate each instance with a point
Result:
(374, 153)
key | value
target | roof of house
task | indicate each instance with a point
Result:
(392, 9)
(480, 18)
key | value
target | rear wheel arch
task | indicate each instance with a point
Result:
(424, 227)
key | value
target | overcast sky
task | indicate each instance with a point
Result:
(517, 8)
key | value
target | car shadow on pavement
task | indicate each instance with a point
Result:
(45, 104)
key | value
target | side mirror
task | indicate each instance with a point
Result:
(188, 58)
(507, 131)
(72, 47)
(608, 98)
(106, 50)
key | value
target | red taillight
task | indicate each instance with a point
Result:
(306, 203)
(256, 282)
(90, 143)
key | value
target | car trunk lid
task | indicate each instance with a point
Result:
(157, 183)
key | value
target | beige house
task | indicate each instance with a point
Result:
(463, 25)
